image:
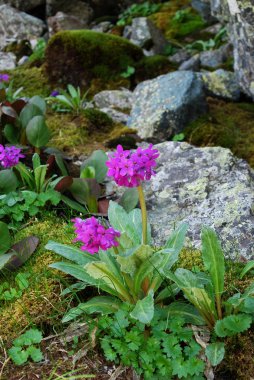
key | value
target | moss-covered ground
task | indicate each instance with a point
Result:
(229, 125)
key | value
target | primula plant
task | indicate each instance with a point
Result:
(118, 258)
(123, 262)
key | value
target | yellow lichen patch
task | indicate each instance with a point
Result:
(40, 303)
(229, 125)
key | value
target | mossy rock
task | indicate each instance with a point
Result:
(79, 56)
(151, 67)
(40, 303)
(229, 125)
(82, 134)
(32, 79)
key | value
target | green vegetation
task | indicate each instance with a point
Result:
(164, 349)
(137, 10)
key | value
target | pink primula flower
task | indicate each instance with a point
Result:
(94, 235)
(131, 168)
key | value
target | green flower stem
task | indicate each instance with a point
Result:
(143, 212)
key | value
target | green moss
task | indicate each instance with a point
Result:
(99, 119)
(77, 57)
(151, 67)
(41, 302)
(32, 79)
(176, 25)
(229, 125)
(80, 134)
(189, 259)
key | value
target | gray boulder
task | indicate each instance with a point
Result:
(146, 35)
(7, 61)
(179, 57)
(16, 25)
(117, 116)
(119, 99)
(239, 15)
(203, 186)
(73, 15)
(215, 58)
(23, 5)
(204, 8)
(222, 84)
(163, 106)
(192, 63)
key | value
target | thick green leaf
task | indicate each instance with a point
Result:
(39, 102)
(144, 309)
(73, 92)
(233, 324)
(184, 310)
(5, 238)
(129, 199)
(131, 259)
(247, 268)
(111, 263)
(81, 191)
(36, 161)
(37, 131)
(97, 160)
(28, 113)
(100, 272)
(73, 204)
(11, 133)
(131, 223)
(213, 258)
(40, 176)
(193, 288)
(177, 238)
(71, 253)
(61, 164)
(87, 172)
(215, 353)
(8, 181)
(167, 293)
(153, 264)
(26, 175)
(81, 274)
(102, 305)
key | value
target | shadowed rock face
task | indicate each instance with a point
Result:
(203, 186)
(240, 17)
(16, 25)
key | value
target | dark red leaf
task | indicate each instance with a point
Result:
(64, 184)
(18, 105)
(20, 252)
(9, 115)
(51, 164)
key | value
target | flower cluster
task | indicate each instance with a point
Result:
(9, 156)
(4, 77)
(95, 236)
(131, 168)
